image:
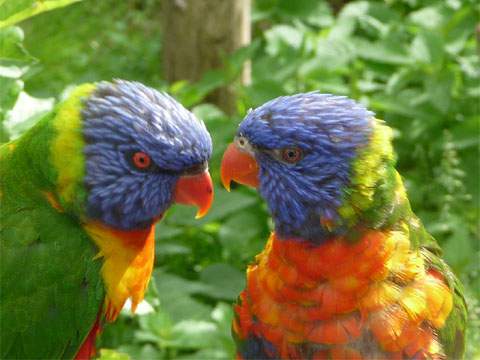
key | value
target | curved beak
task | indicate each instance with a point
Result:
(238, 166)
(195, 190)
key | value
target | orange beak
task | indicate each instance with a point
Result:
(195, 190)
(238, 166)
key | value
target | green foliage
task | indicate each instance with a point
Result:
(12, 12)
(414, 62)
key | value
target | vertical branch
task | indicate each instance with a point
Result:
(198, 34)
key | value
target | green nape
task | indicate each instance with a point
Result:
(50, 286)
(375, 186)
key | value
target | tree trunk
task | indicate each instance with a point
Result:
(198, 34)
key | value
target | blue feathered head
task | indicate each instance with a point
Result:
(298, 151)
(143, 151)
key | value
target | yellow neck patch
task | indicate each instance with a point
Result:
(367, 169)
(128, 262)
(67, 147)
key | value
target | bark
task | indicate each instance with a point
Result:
(198, 34)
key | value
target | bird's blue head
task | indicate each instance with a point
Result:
(298, 151)
(143, 151)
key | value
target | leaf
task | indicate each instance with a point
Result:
(208, 112)
(238, 229)
(427, 47)
(223, 316)
(329, 55)
(140, 352)
(224, 204)
(12, 12)
(379, 51)
(313, 12)
(234, 62)
(109, 354)
(459, 249)
(439, 89)
(27, 111)
(190, 94)
(175, 300)
(225, 281)
(9, 91)
(164, 231)
(281, 37)
(166, 249)
(430, 17)
(14, 59)
(210, 354)
(400, 80)
(194, 334)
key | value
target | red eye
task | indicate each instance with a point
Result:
(141, 160)
(292, 155)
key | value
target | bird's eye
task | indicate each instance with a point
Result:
(292, 155)
(241, 141)
(141, 160)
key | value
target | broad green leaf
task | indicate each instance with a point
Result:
(9, 91)
(460, 29)
(227, 203)
(383, 52)
(175, 297)
(14, 11)
(225, 281)
(223, 316)
(238, 229)
(208, 112)
(164, 231)
(194, 334)
(27, 111)
(281, 37)
(14, 59)
(165, 249)
(430, 17)
(439, 88)
(313, 12)
(427, 47)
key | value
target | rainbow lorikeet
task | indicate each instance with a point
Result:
(349, 272)
(80, 194)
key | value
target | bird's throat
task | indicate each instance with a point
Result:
(128, 261)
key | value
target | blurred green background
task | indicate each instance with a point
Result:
(414, 62)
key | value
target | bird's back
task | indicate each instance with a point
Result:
(51, 289)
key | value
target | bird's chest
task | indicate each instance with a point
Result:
(127, 265)
(372, 299)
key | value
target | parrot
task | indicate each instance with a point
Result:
(80, 194)
(349, 271)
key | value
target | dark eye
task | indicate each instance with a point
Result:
(241, 141)
(292, 155)
(141, 160)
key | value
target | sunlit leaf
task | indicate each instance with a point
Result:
(12, 12)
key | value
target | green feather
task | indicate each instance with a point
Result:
(50, 287)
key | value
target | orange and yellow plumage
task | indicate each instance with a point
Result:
(349, 272)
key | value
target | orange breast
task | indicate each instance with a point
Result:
(128, 261)
(370, 299)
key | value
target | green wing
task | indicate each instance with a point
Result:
(452, 335)
(50, 286)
